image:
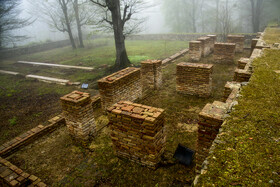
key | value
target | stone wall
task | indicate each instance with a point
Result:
(242, 62)
(122, 85)
(238, 40)
(210, 120)
(195, 50)
(228, 89)
(205, 45)
(33, 49)
(78, 112)
(151, 75)
(194, 79)
(224, 52)
(137, 132)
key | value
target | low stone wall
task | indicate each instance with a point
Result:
(175, 56)
(205, 45)
(151, 75)
(137, 132)
(224, 52)
(238, 40)
(28, 137)
(194, 79)
(195, 50)
(228, 89)
(11, 175)
(122, 85)
(242, 62)
(78, 113)
(33, 49)
(210, 120)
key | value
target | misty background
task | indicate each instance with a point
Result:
(164, 16)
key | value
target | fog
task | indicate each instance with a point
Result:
(176, 16)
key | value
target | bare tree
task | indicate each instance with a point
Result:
(256, 9)
(118, 14)
(11, 21)
(225, 20)
(217, 16)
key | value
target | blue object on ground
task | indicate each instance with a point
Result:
(85, 86)
(184, 155)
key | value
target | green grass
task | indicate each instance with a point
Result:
(272, 35)
(250, 154)
(97, 54)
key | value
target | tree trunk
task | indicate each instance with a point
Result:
(217, 16)
(64, 8)
(79, 27)
(122, 60)
(256, 14)
(194, 16)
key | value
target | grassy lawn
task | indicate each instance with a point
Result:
(249, 155)
(93, 56)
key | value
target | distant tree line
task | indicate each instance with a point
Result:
(219, 16)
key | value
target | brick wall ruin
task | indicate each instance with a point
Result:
(78, 112)
(238, 40)
(151, 75)
(194, 79)
(213, 39)
(206, 45)
(210, 120)
(195, 51)
(242, 62)
(122, 85)
(137, 132)
(224, 52)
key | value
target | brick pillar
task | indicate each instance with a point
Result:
(137, 132)
(206, 45)
(238, 40)
(228, 89)
(213, 39)
(78, 113)
(195, 50)
(254, 44)
(122, 85)
(151, 75)
(242, 75)
(224, 52)
(194, 79)
(210, 120)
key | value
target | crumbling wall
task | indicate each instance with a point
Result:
(137, 132)
(195, 50)
(122, 85)
(194, 79)
(151, 75)
(224, 52)
(238, 40)
(78, 112)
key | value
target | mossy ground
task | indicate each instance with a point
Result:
(250, 154)
(51, 159)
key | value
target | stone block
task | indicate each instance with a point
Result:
(238, 40)
(224, 52)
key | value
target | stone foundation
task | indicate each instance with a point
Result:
(238, 40)
(213, 39)
(194, 79)
(242, 62)
(78, 112)
(224, 52)
(137, 132)
(151, 75)
(122, 85)
(228, 89)
(205, 45)
(210, 120)
(195, 50)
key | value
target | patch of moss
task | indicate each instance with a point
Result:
(250, 154)
(272, 35)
